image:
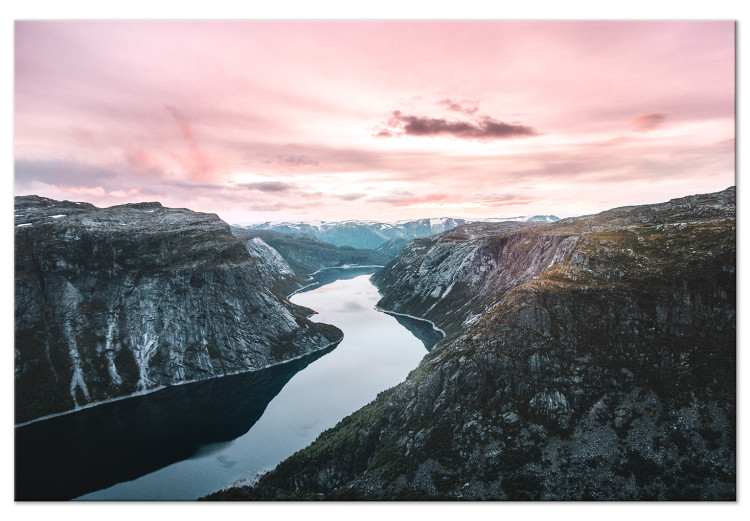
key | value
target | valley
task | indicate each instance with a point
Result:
(461, 258)
(586, 358)
(591, 358)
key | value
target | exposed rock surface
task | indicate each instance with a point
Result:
(453, 277)
(115, 301)
(600, 365)
(276, 271)
(306, 254)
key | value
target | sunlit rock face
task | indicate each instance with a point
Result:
(590, 358)
(115, 301)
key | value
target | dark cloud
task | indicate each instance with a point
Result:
(464, 107)
(648, 122)
(268, 186)
(62, 172)
(484, 129)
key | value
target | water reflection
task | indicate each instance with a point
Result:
(329, 275)
(421, 329)
(174, 444)
(65, 457)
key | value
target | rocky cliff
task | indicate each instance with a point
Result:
(115, 301)
(592, 358)
(453, 277)
(306, 254)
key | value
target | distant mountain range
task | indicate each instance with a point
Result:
(372, 235)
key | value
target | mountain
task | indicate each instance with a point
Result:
(590, 358)
(371, 235)
(111, 302)
(393, 246)
(301, 255)
(453, 277)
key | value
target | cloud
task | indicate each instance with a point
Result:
(483, 129)
(268, 186)
(464, 107)
(498, 202)
(96, 191)
(406, 198)
(122, 194)
(297, 160)
(198, 163)
(193, 186)
(350, 197)
(283, 205)
(648, 122)
(140, 161)
(58, 171)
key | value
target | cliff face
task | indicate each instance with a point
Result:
(592, 358)
(115, 301)
(276, 271)
(453, 277)
(305, 254)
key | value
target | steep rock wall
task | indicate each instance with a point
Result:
(115, 301)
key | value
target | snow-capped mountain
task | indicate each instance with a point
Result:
(371, 234)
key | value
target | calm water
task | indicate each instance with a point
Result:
(186, 441)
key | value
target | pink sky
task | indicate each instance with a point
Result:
(378, 120)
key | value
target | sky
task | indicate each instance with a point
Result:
(376, 120)
(584, 97)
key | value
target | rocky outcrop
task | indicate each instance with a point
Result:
(601, 365)
(122, 300)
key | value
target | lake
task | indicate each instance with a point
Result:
(186, 441)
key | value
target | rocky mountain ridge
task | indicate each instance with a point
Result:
(372, 235)
(591, 358)
(453, 277)
(116, 301)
